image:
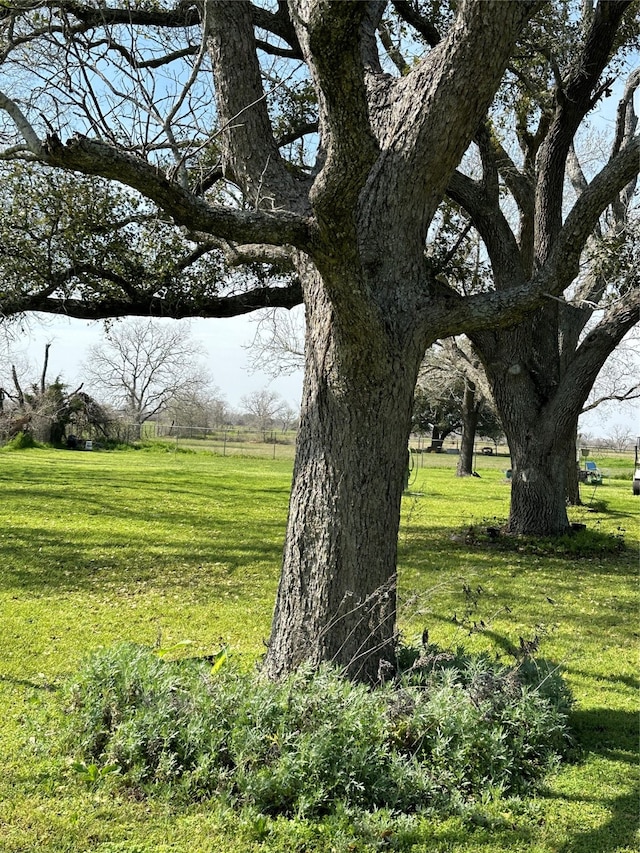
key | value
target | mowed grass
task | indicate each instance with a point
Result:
(183, 550)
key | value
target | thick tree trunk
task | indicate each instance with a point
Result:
(470, 416)
(523, 368)
(540, 443)
(539, 482)
(337, 596)
(465, 460)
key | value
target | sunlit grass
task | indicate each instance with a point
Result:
(168, 548)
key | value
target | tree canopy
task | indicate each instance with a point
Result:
(125, 92)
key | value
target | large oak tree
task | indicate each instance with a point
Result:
(542, 369)
(127, 92)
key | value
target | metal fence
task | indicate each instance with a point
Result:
(227, 441)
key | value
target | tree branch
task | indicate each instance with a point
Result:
(492, 226)
(22, 124)
(632, 393)
(562, 266)
(183, 14)
(508, 306)
(597, 346)
(419, 130)
(297, 133)
(393, 52)
(157, 62)
(573, 102)
(247, 226)
(332, 31)
(279, 24)
(626, 119)
(423, 26)
(174, 306)
(249, 151)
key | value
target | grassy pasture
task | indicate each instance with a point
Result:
(175, 547)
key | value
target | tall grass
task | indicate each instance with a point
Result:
(182, 551)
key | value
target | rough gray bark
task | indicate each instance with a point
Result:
(336, 599)
(537, 439)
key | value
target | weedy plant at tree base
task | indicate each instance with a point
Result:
(451, 728)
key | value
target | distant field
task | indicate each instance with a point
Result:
(183, 550)
(281, 445)
(272, 444)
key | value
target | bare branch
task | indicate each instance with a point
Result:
(420, 24)
(573, 101)
(393, 52)
(563, 263)
(493, 227)
(632, 393)
(592, 353)
(249, 150)
(277, 347)
(626, 120)
(22, 124)
(332, 34)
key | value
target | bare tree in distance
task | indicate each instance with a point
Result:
(198, 408)
(621, 438)
(277, 347)
(265, 407)
(142, 366)
(287, 417)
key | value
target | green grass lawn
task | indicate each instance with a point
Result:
(184, 549)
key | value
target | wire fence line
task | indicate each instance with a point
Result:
(226, 440)
(268, 441)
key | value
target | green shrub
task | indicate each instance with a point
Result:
(22, 441)
(440, 736)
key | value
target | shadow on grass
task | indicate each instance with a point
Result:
(45, 561)
(611, 735)
(87, 529)
(48, 687)
(602, 553)
(601, 730)
(617, 833)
